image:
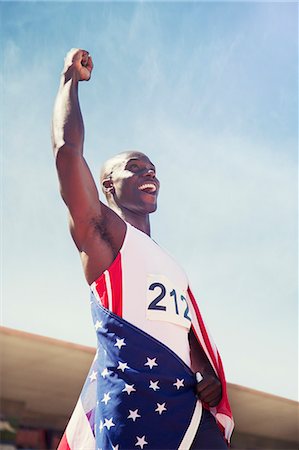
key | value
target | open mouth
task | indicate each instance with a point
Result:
(149, 188)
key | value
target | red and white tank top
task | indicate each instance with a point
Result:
(146, 287)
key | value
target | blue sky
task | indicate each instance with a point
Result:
(209, 91)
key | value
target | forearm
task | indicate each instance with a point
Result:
(67, 125)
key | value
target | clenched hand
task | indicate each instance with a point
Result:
(209, 390)
(78, 65)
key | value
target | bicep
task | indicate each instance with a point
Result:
(89, 218)
(77, 186)
(79, 192)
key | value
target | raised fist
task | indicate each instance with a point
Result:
(78, 64)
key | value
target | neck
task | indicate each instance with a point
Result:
(139, 221)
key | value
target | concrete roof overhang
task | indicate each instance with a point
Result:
(42, 377)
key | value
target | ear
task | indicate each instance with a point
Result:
(108, 187)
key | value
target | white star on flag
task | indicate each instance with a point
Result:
(128, 388)
(154, 385)
(160, 408)
(141, 441)
(179, 383)
(101, 425)
(133, 415)
(106, 398)
(151, 362)
(122, 366)
(120, 343)
(116, 447)
(105, 372)
(98, 325)
(93, 376)
(108, 423)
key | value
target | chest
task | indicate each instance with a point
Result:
(154, 282)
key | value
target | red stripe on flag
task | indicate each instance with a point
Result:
(223, 406)
(203, 330)
(115, 273)
(102, 290)
(63, 444)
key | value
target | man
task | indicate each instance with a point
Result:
(142, 391)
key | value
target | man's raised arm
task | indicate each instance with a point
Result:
(90, 220)
(77, 186)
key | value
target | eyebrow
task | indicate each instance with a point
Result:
(138, 159)
(132, 159)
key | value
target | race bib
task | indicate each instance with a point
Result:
(166, 302)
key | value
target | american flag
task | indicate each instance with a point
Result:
(138, 393)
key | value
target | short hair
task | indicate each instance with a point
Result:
(109, 166)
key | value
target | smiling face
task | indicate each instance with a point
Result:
(130, 183)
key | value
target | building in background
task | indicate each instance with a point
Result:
(41, 379)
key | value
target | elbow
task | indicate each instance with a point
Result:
(64, 144)
(66, 156)
(59, 148)
(66, 150)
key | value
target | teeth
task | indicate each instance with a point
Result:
(152, 187)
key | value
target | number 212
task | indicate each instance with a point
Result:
(154, 305)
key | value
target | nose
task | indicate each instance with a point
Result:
(150, 172)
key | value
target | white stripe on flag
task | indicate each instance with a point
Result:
(93, 287)
(78, 432)
(109, 291)
(193, 427)
(227, 423)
